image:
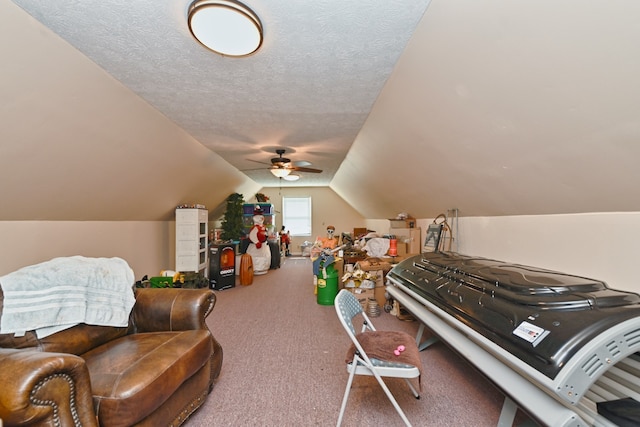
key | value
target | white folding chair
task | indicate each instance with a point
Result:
(348, 307)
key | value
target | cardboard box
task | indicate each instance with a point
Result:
(374, 264)
(379, 295)
(402, 249)
(359, 232)
(362, 295)
(376, 267)
(403, 223)
(412, 237)
(380, 269)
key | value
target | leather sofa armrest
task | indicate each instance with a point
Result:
(41, 388)
(174, 309)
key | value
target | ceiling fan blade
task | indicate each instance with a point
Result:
(301, 163)
(258, 161)
(254, 169)
(302, 169)
(281, 164)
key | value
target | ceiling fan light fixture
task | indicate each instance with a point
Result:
(291, 177)
(280, 173)
(227, 27)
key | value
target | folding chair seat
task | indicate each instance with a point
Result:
(372, 352)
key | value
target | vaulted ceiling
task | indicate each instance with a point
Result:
(111, 110)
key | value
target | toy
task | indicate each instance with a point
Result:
(258, 248)
(321, 243)
(399, 350)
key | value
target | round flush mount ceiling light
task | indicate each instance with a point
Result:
(280, 172)
(291, 177)
(227, 27)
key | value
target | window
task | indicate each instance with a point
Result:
(296, 215)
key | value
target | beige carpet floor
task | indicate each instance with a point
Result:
(284, 365)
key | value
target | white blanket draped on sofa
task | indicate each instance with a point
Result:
(60, 293)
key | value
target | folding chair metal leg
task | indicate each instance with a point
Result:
(386, 391)
(392, 399)
(413, 389)
(346, 395)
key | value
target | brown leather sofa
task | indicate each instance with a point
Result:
(156, 372)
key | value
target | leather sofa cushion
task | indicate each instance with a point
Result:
(134, 375)
(76, 340)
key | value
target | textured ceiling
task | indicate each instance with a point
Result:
(487, 106)
(308, 89)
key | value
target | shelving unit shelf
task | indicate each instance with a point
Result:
(191, 240)
(269, 216)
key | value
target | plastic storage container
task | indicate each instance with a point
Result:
(327, 285)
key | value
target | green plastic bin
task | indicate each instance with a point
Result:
(327, 285)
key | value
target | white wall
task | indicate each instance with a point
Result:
(380, 226)
(148, 246)
(603, 246)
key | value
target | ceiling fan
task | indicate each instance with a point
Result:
(282, 167)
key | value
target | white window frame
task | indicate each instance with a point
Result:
(296, 215)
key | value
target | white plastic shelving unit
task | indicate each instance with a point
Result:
(191, 240)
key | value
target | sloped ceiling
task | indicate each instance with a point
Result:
(507, 108)
(75, 144)
(491, 107)
(308, 89)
